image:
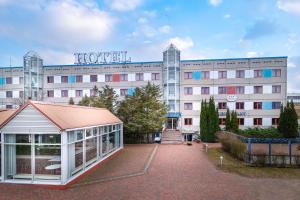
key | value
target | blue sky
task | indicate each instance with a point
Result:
(200, 28)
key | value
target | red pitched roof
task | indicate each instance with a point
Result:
(70, 116)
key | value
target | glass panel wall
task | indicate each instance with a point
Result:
(47, 157)
(75, 151)
(21, 151)
(91, 146)
(18, 157)
(105, 138)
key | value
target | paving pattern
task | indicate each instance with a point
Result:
(176, 172)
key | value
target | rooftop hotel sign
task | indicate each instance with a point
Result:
(102, 57)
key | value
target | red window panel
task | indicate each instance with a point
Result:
(222, 121)
(116, 77)
(230, 90)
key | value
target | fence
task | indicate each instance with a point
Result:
(279, 152)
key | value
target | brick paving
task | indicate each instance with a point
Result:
(176, 172)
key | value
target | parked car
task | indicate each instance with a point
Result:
(157, 138)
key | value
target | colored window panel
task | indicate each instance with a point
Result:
(131, 91)
(230, 90)
(2, 81)
(267, 73)
(196, 75)
(72, 79)
(116, 77)
(267, 105)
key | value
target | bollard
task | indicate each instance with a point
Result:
(221, 160)
(206, 147)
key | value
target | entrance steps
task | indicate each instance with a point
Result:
(171, 137)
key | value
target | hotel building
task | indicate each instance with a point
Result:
(254, 87)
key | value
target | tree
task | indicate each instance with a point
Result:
(143, 113)
(85, 101)
(209, 121)
(106, 98)
(71, 101)
(288, 121)
(227, 121)
(234, 122)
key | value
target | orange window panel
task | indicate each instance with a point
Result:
(230, 90)
(116, 77)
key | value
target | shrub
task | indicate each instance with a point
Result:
(232, 145)
(261, 133)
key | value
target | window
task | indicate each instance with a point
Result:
(187, 75)
(50, 93)
(50, 79)
(276, 72)
(222, 90)
(257, 121)
(222, 105)
(258, 89)
(64, 79)
(188, 106)
(93, 92)
(204, 90)
(139, 76)
(64, 93)
(275, 121)
(108, 77)
(79, 79)
(188, 90)
(21, 94)
(257, 105)
(240, 73)
(240, 90)
(222, 74)
(241, 121)
(205, 74)
(78, 93)
(9, 106)
(239, 105)
(8, 80)
(9, 94)
(187, 121)
(124, 77)
(257, 73)
(276, 89)
(21, 80)
(124, 92)
(222, 121)
(93, 78)
(155, 76)
(276, 105)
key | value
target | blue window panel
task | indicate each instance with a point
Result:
(196, 75)
(267, 105)
(72, 79)
(267, 73)
(2, 81)
(131, 91)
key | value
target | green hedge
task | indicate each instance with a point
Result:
(260, 133)
(232, 145)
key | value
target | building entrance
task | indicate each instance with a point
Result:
(171, 123)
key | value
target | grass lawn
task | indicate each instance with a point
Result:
(232, 165)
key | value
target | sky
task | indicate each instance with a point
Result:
(201, 29)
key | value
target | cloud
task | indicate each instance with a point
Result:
(261, 28)
(293, 74)
(215, 2)
(60, 24)
(182, 43)
(123, 5)
(252, 54)
(165, 29)
(51, 57)
(291, 6)
(227, 16)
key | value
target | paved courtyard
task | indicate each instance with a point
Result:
(176, 172)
